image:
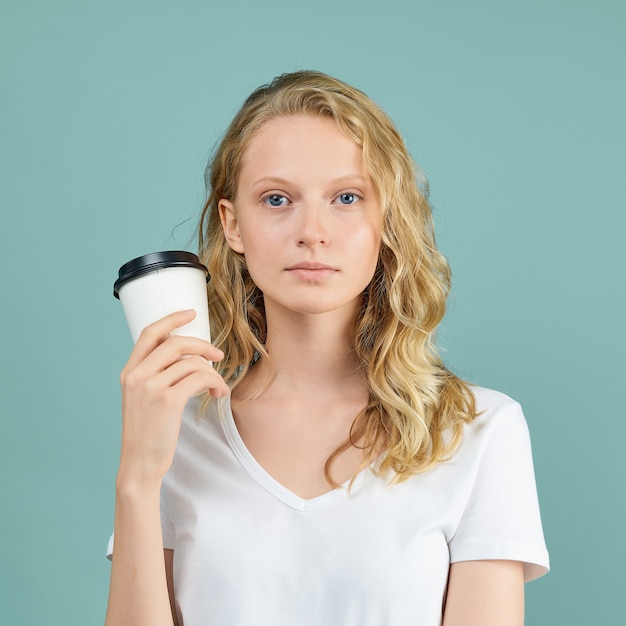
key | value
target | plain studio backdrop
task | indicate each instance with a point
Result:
(516, 113)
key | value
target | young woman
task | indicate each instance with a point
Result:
(332, 471)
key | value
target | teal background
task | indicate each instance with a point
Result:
(516, 112)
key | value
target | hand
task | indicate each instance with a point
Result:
(156, 383)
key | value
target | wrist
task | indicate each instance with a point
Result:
(133, 483)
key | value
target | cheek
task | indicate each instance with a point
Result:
(260, 234)
(261, 253)
(370, 242)
(367, 246)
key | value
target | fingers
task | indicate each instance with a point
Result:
(193, 375)
(175, 348)
(177, 368)
(158, 333)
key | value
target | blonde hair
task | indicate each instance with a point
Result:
(416, 407)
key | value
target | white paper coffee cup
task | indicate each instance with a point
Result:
(157, 284)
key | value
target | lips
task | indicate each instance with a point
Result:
(310, 266)
(311, 272)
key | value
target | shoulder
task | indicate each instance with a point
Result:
(495, 412)
(492, 401)
(499, 431)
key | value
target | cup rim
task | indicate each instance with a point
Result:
(153, 261)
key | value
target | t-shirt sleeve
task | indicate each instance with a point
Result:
(501, 519)
(109, 552)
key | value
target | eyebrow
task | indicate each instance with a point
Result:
(341, 180)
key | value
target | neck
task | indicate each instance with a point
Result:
(311, 354)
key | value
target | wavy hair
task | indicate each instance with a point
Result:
(417, 407)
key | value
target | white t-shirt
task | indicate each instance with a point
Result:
(248, 552)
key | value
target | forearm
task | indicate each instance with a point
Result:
(138, 593)
(485, 593)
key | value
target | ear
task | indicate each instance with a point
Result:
(230, 226)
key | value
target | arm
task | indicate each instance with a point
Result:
(485, 593)
(138, 592)
(156, 384)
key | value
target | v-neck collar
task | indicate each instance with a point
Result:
(268, 482)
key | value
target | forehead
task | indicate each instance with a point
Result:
(298, 141)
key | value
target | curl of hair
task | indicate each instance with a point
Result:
(417, 407)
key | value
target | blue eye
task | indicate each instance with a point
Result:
(347, 198)
(275, 200)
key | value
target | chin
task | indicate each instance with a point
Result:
(322, 306)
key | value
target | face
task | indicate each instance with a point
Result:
(306, 216)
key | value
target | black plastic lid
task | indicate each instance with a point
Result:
(156, 261)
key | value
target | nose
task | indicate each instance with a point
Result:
(313, 226)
